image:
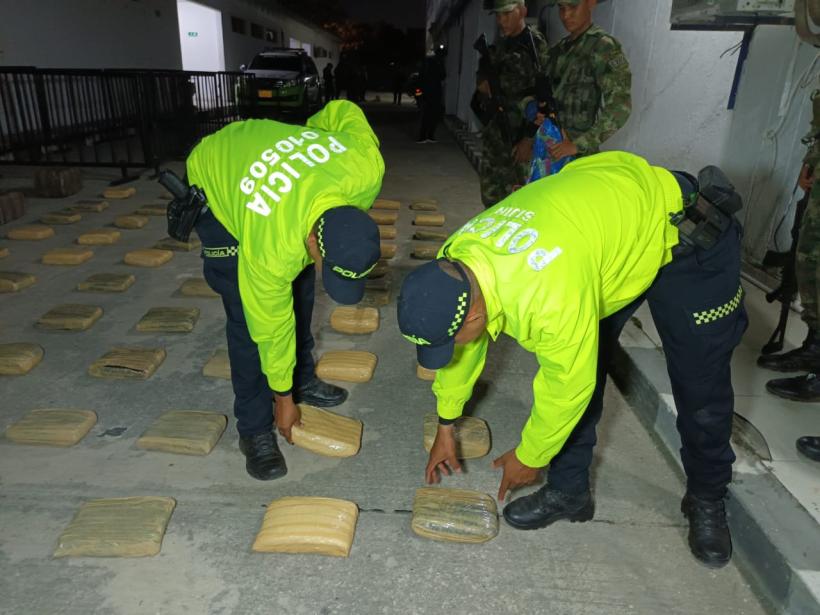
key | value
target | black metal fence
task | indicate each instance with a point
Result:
(113, 118)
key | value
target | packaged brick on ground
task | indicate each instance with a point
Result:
(327, 433)
(454, 515)
(52, 427)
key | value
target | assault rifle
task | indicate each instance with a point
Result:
(488, 108)
(786, 292)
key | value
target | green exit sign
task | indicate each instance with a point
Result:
(193, 34)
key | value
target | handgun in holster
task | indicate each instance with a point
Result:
(185, 207)
(708, 211)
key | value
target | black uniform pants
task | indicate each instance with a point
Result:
(430, 116)
(697, 305)
(253, 397)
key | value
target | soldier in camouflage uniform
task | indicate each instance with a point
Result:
(591, 82)
(806, 357)
(516, 58)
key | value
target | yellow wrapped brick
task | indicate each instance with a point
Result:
(19, 358)
(61, 217)
(168, 320)
(12, 281)
(323, 526)
(472, 436)
(422, 373)
(67, 256)
(326, 433)
(52, 427)
(128, 363)
(152, 210)
(31, 232)
(197, 287)
(99, 237)
(388, 204)
(89, 205)
(347, 365)
(375, 297)
(430, 236)
(186, 432)
(454, 515)
(169, 243)
(354, 320)
(387, 232)
(70, 317)
(117, 527)
(119, 192)
(429, 220)
(425, 252)
(130, 222)
(388, 249)
(107, 283)
(424, 206)
(148, 258)
(379, 270)
(218, 366)
(383, 217)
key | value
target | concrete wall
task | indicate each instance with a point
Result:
(681, 86)
(89, 34)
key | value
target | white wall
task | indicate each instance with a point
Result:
(89, 34)
(200, 35)
(680, 91)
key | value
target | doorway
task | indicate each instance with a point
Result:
(200, 37)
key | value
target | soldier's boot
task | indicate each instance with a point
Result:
(709, 537)
(806, 358)
(809, 446)
(799, 388)
(547, 506)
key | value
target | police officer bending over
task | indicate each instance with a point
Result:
(281, 198)
(560, 266)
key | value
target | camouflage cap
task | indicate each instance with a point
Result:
(501, 6)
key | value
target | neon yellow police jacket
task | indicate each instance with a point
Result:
(552, 260)
(268, 183)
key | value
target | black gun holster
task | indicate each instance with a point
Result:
(185, 207)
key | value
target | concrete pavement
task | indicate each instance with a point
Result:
(632, 558)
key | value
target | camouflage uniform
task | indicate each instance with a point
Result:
(592, 84)
(512, 58)
(808, 247)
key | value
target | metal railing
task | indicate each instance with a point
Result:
(112, 118)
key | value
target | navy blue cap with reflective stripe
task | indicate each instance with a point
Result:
(432, 308)
(348, 241)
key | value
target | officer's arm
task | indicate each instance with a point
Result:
(563, 386)
(615, 81)
(454, 383)
(267, 301)
(343, 116)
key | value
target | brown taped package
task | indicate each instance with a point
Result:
(148, 258)
(383, 217)
(168, 319)
(31, 232)
(67, 256)
(119, 192)
(99, 237)
(422, 373)
(70, 317)
(454, 515)
(387, 232)
(197, 287)
(131, 222)
(429, 236)
(52, 427)
(127, 363)
(152, 210)
(117, 527)
(429, 220)
(107, 283)
(388, 249)
(388, 204)
(19, 358)
(354, 320)
(324, 526)
(425, 252)
(61, 217)
(472, 436)
(186, 432)
(347, 365)
(169, 243)
(326, 433)
(12, 281)
(218, 366)
(89, 205)
(424, 206)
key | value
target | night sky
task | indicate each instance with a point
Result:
(401, 13)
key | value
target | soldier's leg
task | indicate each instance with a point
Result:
(496, 175)
(697, 306)
(807, 356)
(253, 398)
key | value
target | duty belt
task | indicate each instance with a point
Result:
(223, 252)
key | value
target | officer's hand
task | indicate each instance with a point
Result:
(522, 152)
(516, 474)
(443, 455)
(287, 415)
(806, 180)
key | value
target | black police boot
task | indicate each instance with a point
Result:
(709, 538)
(810, 447)
(547, 506)
(263, 459)
(803, 359)
(319, 394)
(799, 388)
